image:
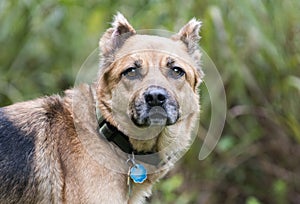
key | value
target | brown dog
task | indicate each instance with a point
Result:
(137, 118)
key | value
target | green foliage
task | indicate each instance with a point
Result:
(226, 143)
(170, 191)
(252, 200)
(170, 186)
(255, 45)
(280, 191)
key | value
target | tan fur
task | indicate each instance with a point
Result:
(72, 163)
(154, 61)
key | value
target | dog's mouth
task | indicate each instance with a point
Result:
(155, 107)
(158, 116)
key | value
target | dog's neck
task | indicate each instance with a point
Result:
(112, 134)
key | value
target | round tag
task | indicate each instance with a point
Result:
(138, 173)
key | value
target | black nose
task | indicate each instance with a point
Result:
(155, 96)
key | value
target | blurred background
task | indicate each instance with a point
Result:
(254, 44)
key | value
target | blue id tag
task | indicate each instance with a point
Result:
(138, 173)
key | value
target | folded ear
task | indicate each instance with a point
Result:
(115, 36)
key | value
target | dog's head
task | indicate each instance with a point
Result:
(149, 83)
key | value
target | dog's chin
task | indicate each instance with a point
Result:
(154, 120)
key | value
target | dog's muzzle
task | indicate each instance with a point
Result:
(154, 106)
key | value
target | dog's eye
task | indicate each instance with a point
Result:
(177, 72)
(131, 72)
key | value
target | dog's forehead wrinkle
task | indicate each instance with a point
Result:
(156, 64)
(140, 42)
(158, 57)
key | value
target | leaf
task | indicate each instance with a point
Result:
(294, 82)
(252, 200)
(172, 184)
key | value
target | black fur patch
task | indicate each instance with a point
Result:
(16, 159)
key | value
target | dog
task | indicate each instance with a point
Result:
(111, 140)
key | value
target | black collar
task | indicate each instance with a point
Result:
(112, 134)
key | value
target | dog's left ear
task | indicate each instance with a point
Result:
(115, 36)
(189, 35)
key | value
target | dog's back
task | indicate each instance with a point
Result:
(16, 158)
(42, 159)
(25, 165)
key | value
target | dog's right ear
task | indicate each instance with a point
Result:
(115, 36)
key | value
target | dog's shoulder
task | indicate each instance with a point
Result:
(16, 158)
(20, 122)
(22, 126)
